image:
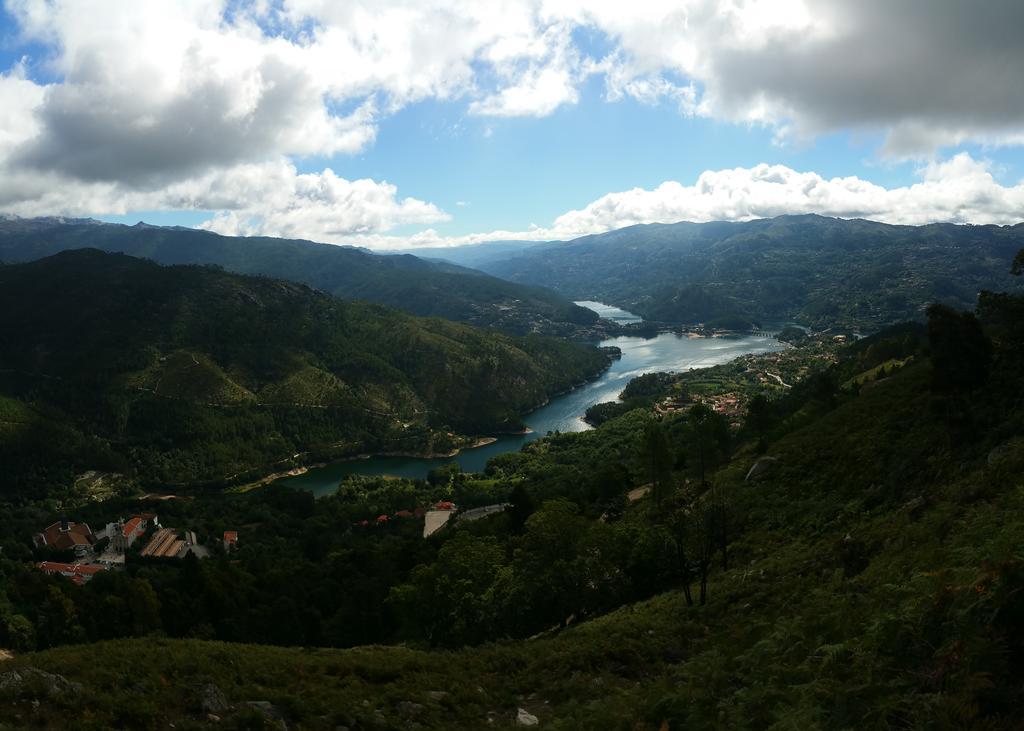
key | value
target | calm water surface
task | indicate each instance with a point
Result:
(666, 352)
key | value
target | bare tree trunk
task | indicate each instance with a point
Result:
(723, 539)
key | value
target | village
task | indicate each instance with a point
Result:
(141, 536)
(728, 388)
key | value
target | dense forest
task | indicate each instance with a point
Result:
(850, 557)
(408, 283)
(814, 270)
(187, 375)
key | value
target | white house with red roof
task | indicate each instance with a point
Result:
(124, 532)
(78, 573)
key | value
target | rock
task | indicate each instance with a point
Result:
(270, 712)
(34, 681)
(525, 718)
(437, 695)
(213, 718)
(1000, 452)
(762, 468)
(408, 708)
(911, 507)
(212, 699)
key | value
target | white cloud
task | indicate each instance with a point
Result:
(926, 73)
(182, 103)
(958, 190)
(270, 199)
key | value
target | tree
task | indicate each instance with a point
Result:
(759, 418)
(144, 607)
(656, 456)
(703, 536)
(961, 353)
(709, 435)
(1017, 268)
(520, 507)
(680, 525)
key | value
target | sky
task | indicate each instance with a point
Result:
(397, 124)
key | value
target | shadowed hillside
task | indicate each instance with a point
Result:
(415, 285)
(183, 374)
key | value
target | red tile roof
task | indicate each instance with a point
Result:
(131, 526)
(231, 536)
(74, 570)
(77, 534)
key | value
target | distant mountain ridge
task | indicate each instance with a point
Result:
(188, 374)
(816, 270)
(409, 283)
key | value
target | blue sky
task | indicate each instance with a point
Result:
(430, 124)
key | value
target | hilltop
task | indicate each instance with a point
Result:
(406, 282)
(188, 374)
(817, 271)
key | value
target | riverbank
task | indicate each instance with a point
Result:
(667, 352)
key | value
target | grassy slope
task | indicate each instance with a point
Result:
(850, 603)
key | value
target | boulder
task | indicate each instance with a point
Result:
(762, 468)
(1001, 452)
(270, 712)
(409, 708)
(33, 681)
(212, 699)
(525, 718)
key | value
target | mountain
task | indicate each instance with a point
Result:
(810, 269)
(190, 374)
(475, 256)
(409, 283)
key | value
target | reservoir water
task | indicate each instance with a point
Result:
(665, 352)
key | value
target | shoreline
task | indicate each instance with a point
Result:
(303, 469)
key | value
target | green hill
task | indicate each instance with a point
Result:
(814, 270)
(874, 582)
(851, 557)
(190, 374)
(415, 285)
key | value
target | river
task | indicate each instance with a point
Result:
(665, 352)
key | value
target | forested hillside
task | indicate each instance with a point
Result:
(852, 557)
(417, 286)
(814, 270)
(181, 375)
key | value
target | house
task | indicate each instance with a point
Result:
(230, 540)
(123, 533)
(66, 536)
(78, 573)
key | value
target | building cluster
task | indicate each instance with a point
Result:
(95, 552)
